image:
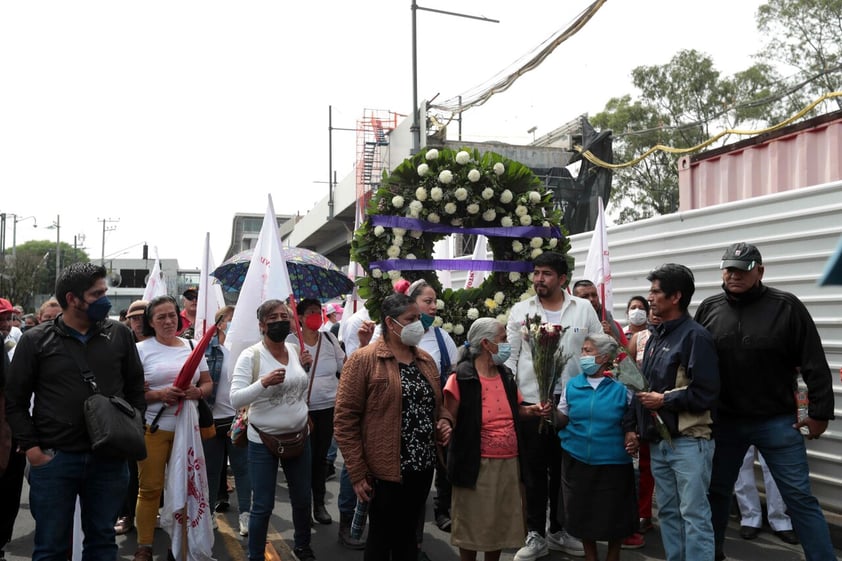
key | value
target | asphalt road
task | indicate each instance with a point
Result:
(230, 546)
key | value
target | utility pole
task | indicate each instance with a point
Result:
(105, 228)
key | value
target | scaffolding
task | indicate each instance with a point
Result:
(372, 150)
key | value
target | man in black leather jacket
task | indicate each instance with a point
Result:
(54, 435)
(764, 338)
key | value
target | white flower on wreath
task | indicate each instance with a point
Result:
(393, 251)
(432, 154)
(552, 243)
(517, 247)
(474, 176)
(394, 274)
(458, 329)
(489, 215)
(521, 210)
(503, 318)
(506, 197)
(514, 276)
(450, 208)
(421, 194)
(499, 168)
(461, 194)
(399, 231)
(439, 304)
(499, 297)
(437, 321)
(472, 208)
(536, 252)
(416, 234)
(456, 222)
(411, 256)
(436, 194)
(379, 231)
(423, 170)
(536, 242)
(545, 224)
(506, 222)
(534, 197)
(446, 177)
(462, 157)
(376, 273)
(397, 240)
(525, 220)
(447, 327)
(487, 193)
(472, 313)
(397, 201)
(434, 218)
(416, 207)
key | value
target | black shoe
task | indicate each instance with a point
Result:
(321, 515)
(787, 536)
(749, 532)
(443, 522)
(222, 506)
(330, 471)
(719, 556)
(304, 553)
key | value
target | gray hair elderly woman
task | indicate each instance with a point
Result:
(597, 441)
(485, 445)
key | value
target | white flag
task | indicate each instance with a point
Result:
(210, 293)
(475, 278)
(266, 278)
(186, 514)
(156, 285)
(597, 266)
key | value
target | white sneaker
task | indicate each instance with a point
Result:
(562, 541)
(244, 524)
(536, 546)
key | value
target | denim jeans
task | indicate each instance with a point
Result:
(786, 456)
(347, 501)
(263, 469)
(682, 476)
(101, 486)
(215, 451)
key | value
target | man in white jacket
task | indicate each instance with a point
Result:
(543, 450)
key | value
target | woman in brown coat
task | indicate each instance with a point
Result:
(388, 419)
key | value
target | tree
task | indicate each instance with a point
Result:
(805, 35)
(33, 270)
(682, 104)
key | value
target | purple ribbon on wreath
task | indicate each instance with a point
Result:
(452, 265)
(390, 221)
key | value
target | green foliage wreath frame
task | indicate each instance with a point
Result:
(462, 189)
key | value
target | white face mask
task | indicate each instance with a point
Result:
(412, 333)
(637, 316)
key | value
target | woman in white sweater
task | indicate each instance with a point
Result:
(269, 378)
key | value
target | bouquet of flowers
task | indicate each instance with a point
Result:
(548, 356)
(629, 375)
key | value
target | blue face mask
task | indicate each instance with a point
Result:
(588, 365)
(427, 320)
(504, 351)
(98, 309)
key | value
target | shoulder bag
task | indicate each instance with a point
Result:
(238, 433)
(114, 426)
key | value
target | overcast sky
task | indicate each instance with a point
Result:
(170, 116)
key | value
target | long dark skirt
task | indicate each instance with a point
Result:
(600, 502)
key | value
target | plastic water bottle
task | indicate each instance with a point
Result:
(358, 522)
(802, 402)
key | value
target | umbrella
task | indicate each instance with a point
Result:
(311, 275)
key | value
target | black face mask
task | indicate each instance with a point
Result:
(277, 331)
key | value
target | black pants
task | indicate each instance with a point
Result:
(393, 515)
(130, 503)
(542, 477)
(320, 443)
(11, 483)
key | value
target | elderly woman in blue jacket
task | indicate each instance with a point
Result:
(598, 440)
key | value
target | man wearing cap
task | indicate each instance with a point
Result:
(7, 311)
(764, 338)
(189, 303)
(334, 316)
